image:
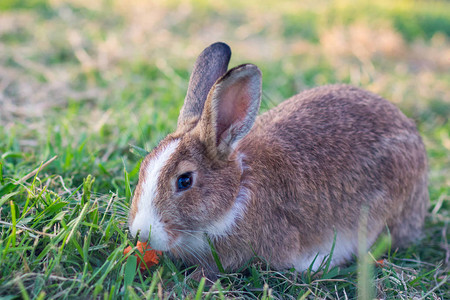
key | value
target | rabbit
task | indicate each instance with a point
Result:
(285, 186)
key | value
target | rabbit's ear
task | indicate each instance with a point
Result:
(211, 64)
(231, 109)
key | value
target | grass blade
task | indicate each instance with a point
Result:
(215, 256)
(200, 288)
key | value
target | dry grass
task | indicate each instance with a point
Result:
(371, 55)
(84, 79)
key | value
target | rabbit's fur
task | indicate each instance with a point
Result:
(281, 185)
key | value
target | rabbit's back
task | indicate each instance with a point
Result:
(338, 149)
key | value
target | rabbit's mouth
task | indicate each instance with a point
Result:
(174, 239)
(154, 230)
(189, 244)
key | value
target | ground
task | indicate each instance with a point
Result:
(86, 87)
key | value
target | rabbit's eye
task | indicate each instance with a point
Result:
(184, 181)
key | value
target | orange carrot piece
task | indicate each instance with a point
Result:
(151, 257)
(380, 263)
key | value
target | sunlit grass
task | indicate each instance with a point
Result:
(86, 87)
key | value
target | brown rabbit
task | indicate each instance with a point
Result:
(280, 185)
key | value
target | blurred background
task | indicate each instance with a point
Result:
(98, 82)
(101, 75)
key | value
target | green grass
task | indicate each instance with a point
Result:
(83, 82)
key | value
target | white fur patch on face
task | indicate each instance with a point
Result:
(147, 219)
(224, 225)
